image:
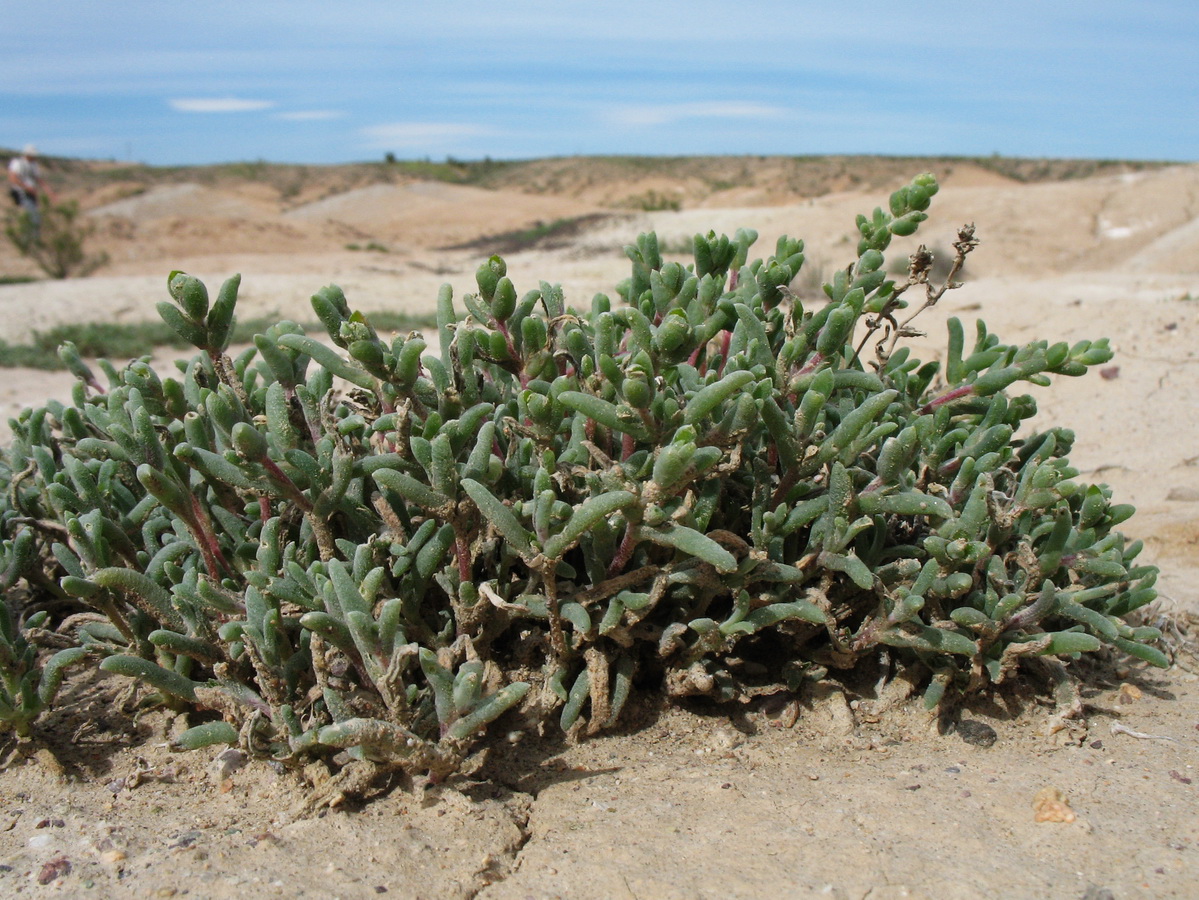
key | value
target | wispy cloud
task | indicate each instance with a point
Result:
(668, 113)
(554, 78)
(219, 105)
(421, 135)
(310, 115)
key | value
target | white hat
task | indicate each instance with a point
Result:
(30, 150)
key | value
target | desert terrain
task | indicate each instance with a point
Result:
(862, 795)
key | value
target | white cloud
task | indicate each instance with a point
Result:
(310, 115)
(219, 105)
(669, 113)
(421, 135)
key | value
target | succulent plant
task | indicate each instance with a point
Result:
(360, 544)
(27, 684)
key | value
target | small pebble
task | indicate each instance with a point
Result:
(183, 841)
(1130, 693)
(1050, 805)
(977, 734)
(55, 868)
(227, 762)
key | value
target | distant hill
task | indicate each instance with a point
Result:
(1052, 215)
(617, 182)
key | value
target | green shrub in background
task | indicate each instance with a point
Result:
(132, 339)
(376, 548)
(54, 241)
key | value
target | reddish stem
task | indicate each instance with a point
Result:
(624, 552)
(812, 364)
(502, 328)
(214, 560)
(948, 397)
(293, 491)
(725, 340)
(462, 551)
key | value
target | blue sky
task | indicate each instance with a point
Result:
(324, 82)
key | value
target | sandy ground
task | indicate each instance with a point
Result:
(853, 800)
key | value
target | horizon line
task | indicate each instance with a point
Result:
(487, 159)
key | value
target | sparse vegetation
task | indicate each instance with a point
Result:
(541, 234)
(653, 201)
(131, 339)
(55, 240)
(678, 246)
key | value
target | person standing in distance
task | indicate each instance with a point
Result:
(26, 185)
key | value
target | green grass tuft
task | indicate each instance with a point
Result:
(109, 340)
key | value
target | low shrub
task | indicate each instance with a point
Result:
(54, 241)
(374, 548)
